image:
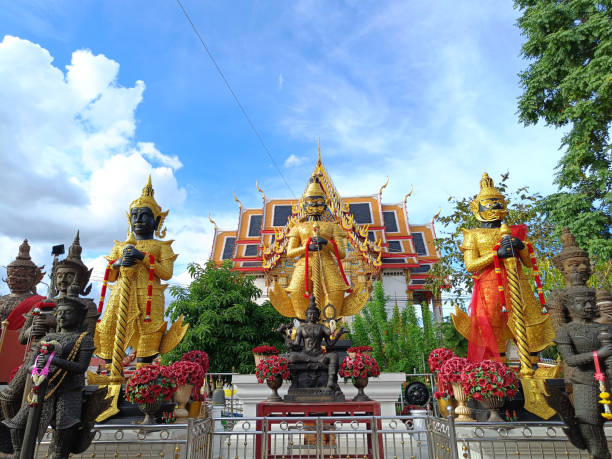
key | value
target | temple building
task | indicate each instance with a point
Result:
(406, 251)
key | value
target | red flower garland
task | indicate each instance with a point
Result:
(536, 276)
(104, 286)
(340, 265)
(360, 366)
(306, 292)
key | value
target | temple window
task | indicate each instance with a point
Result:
(362, 212)
(395, 246)
(421, 269)
(250, 250)
(228, 248)
(255, 225)
(281, 215)
(390, 221)
(419, 243)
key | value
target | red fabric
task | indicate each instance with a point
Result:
(487, 321)
(16, 318)
(306, 292)
(340, 263)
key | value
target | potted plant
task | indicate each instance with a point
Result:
(149, 387)
(263, 351)
(188, 375)
(197, 397)
(352, 351)
(436, 359)
(272, 370)
(359, 368)
(449, 381)
(491, 383)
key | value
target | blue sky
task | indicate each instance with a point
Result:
(96, 95)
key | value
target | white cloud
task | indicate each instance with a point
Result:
(69, 158)
(281, 81)
(294, 161)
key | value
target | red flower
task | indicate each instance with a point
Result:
(149, 384)
(265, 350)
(437, 357)
(270, 367)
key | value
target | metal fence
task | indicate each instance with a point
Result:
(179, 441)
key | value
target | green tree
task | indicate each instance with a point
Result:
(401, 343)
(568, 83)
(224, 320)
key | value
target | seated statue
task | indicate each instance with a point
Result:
(576, 341)
(62, 358)
(314, 373)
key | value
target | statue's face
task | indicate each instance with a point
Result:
(491, 209)
(19, 278)
(68, 316)
(583, 307)
(142, 221)
(576, 270)
(64, 276)
(314, 205)
(312, 315)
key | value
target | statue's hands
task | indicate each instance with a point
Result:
(317, 243)
(509, 247)
(131, 255)
(41, 324)
(341, 332)
(605, 351)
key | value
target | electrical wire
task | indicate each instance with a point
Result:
(229, 87)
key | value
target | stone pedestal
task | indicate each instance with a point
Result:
(385, 390)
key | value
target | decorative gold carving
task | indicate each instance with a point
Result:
(173, 336)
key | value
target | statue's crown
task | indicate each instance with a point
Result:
(147, 199)
(570, 249)
(74, 259)
(314, 188)
(487, 188)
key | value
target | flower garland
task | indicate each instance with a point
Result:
(270, 367)
(536, 276)
(360, 366)
(104, 286)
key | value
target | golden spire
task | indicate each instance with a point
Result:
(409, 194)
(237, 200)
(384, 186)
(260, 190)
(319, 159)
(212, 221)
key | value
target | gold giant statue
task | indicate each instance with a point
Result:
(493, 320)
(314, 245)
(134, 315)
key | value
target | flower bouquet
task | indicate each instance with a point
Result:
(272, 370)
(149, 386)
(188, 375)
(201, 358)
(449, 382)
(490, 383)
(359, 368)
(436, 359)
(263, 351)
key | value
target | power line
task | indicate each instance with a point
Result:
(234, 96)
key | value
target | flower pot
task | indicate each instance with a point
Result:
(444, 403)
(150, 411)
(493, 404)
(274, 383)
(360, 383)
(462, 409)
(181, 397)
